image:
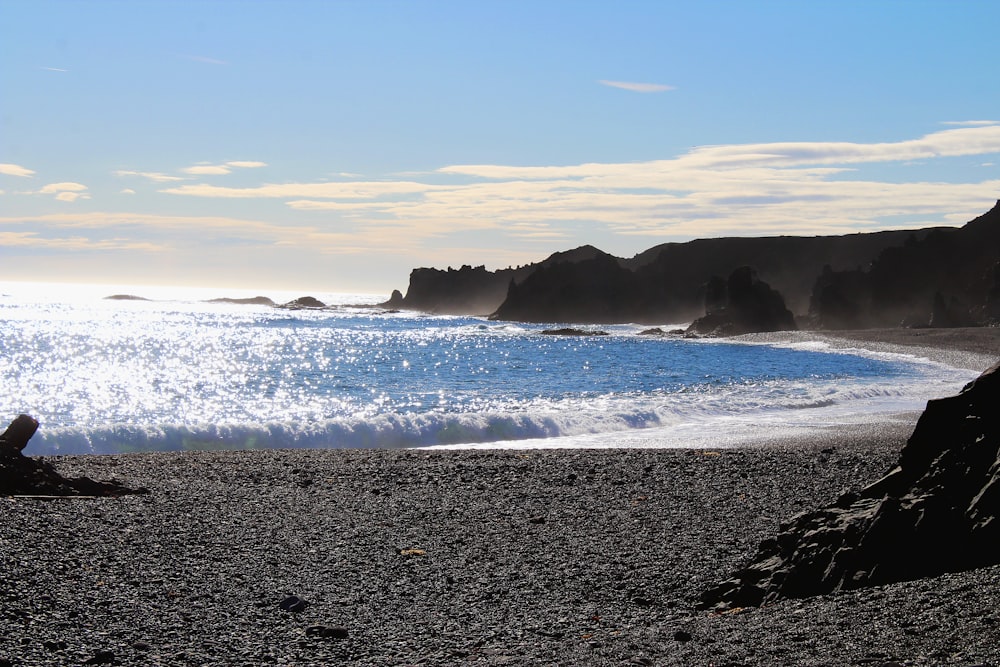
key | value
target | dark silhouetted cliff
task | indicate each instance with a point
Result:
(887, 278)
(947, 277)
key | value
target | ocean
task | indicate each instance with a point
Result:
(177, 372)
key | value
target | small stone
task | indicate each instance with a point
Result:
(327, 632)
(537, 519)
(682, 636)
(101, 658)
(293, 603)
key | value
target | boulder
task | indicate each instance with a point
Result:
(936, 511)
(743, 304)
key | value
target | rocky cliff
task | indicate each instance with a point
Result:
(948, 277)
(855, 280)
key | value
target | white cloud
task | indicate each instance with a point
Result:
(127, 191)
(331, 190)
(246, 164)
(8, 169)
(636, 87)
(54, 69)
(222, 169)
(971, 123)
(207, 170)
(54, 188)
(154, 176)
(68, 192)
(738, 189)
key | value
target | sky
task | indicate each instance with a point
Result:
(335, 145)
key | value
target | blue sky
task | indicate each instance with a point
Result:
(334, 146)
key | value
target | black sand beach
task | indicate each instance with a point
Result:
(562, 557)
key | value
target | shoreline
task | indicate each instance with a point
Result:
(971, 348)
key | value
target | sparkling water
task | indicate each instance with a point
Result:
(178, 372)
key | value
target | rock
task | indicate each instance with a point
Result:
(936, 511)
(327, 632)
(125, 297)
(101, 658)
(750, 305)
(682, 636)
(293, 603)
(304, 302)
(948, 314)
(395, 300)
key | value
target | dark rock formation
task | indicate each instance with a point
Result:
(303, 302)
(873, 279)
(125, 297)
(742, 304)
(598, 289)
(21, 475)
(840, 300)
(465, 291)
(395, 300)
(945, 278)
(937, 511)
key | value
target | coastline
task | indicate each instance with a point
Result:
(972, 348)
(487, 557)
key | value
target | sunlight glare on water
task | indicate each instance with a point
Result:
(119, 375)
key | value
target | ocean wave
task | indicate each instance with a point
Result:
(538, 420)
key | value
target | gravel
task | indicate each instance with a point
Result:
(496, 557)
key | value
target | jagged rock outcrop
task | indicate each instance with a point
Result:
(937, 511)
(21, 475)
(944, 279)
(840, 300)
(595, 290)
(464, 291)
(742, 304)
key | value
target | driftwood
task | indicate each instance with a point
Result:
(22, 476)
(15, 438)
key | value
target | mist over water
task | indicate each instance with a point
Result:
(117, 376)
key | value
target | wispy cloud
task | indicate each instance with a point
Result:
(205, 59)
(971, 123)
(221, 169)
(8, 169)
(155, 176)
(637, 87)
(72, 243)
(738, 189)
(331, 190)
(54, 69)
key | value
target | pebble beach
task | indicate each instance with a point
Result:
(487, 557)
